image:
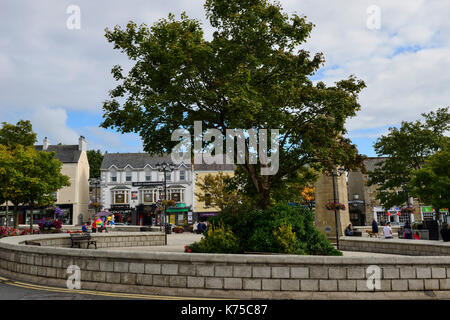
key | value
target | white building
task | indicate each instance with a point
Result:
(131, 185)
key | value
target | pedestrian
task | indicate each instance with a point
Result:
(99, 224)
(445, 232)
(374, 228)
(194, 227)
(349, 230)
(417, 235)
(407, 231)
(94, 226)
(84, 228)
(387, 231)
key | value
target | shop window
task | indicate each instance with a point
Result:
(121, 197)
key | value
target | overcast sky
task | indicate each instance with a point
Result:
(58, 77)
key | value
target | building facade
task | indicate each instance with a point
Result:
(203, 209)
(363, 205)
(131, 185)
(73, 200)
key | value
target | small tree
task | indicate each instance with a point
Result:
(12, 137)
(214, 189)
(431, 183)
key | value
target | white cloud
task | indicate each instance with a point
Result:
(47, 70)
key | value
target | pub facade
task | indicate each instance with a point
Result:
(132, 185)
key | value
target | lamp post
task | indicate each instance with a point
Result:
(165, 167)
(335, 173)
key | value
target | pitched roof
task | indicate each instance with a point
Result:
(215, 166)
(64, 153)
(135, 160)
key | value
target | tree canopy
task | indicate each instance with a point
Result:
(20, 134)
(431, 183)
(95, 158)
(252, 74)
(406, 149)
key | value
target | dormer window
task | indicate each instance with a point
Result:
(128, 175)
(148, 174)
(113, 175)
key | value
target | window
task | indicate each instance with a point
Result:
(150, 195)
(148, 175)
(168, 175)
(182, 175)
(128, 174)
(113, 175)
(176, 194)
(121, 197)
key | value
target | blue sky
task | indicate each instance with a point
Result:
(58, 78)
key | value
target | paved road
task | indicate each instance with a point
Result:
(18, 290)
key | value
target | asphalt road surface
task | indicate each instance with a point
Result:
(17, 290)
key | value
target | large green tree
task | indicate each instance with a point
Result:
(252, 74)
(431, 183)
(95, 158)
(406, 149)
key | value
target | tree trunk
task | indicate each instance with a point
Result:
(16, 215)
(7, 214)
(31, 220)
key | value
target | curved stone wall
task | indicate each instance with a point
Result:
(226, 276)
(395, 246)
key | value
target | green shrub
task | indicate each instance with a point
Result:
(219, 239)
(280, 228)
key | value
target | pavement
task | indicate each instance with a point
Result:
(177, 241)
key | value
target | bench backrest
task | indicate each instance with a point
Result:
(80, 236)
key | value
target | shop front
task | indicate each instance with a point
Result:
(428, 213)
(146, 214)
(179, 215)
(38, 214)
(123, 213)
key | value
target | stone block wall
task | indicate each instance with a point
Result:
(395, 246)
(224, 276)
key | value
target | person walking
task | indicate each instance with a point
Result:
(387, 231)
(374, 228)
(84, 228)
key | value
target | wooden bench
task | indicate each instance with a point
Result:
(80, 238)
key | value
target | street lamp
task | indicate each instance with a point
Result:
(165, 167)
(335, 173)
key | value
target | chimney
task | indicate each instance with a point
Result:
(82, 144)
(46, 144)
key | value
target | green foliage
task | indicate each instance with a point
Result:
(280, 228)
(95, 158)
(406, 149)
(219, 239)
(431, 183)
(19, 134)
(214, 187)
(253, 73)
